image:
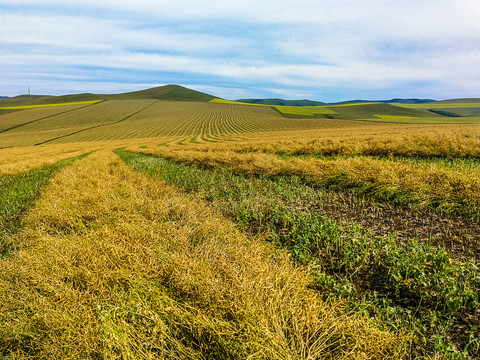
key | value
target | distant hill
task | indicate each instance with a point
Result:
(167, 92)
(391, 101)
(3, 98)
(282, 102)
(460, 101)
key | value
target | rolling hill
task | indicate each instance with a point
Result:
(167, 92)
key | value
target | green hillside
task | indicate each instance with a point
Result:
(167, 92)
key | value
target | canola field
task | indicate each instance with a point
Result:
(147, 229)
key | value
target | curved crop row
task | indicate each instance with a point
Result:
(207, 120)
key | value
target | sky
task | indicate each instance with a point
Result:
(325, 50)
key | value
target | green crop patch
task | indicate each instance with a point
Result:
(17, 195)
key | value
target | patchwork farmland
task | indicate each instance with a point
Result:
(167, 223)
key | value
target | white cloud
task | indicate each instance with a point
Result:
(278, 45)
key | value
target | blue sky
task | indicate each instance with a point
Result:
(327, 50)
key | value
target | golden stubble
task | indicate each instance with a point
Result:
(113, 264)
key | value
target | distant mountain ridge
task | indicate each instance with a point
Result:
(282, 102)
(3, 98)
(391, 101)
(306, 102)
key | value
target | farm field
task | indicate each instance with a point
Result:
(155, 228)
(429, 113)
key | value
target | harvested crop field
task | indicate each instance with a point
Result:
(146, 228)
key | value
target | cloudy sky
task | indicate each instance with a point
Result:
(327, 50)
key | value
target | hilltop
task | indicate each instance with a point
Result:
(167, 92)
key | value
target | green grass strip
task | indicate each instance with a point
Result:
(410, 286)
(17, 195)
